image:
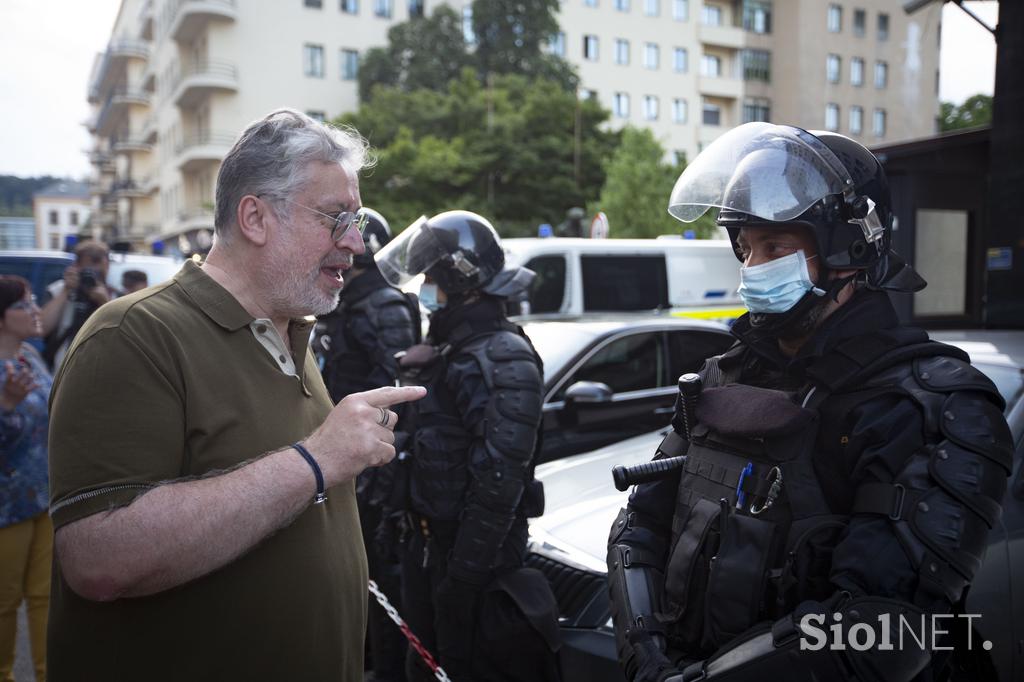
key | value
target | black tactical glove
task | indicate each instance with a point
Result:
(654, 666)
(457, 605)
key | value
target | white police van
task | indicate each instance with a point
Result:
(686, 277)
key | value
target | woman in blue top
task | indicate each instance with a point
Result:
(26, 534)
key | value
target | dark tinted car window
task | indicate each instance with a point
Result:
(688, 349)
(624, 282)
(548, 288)
(630, 363)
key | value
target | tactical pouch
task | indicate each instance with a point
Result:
(737, 575)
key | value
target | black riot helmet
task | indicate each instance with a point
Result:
(760, 174)
(459, 250)
(764, 175)
(376, 234)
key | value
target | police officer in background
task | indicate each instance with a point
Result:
(840, 468)
(357, 344)
(465, 591)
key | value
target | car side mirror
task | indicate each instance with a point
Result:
(588, 393)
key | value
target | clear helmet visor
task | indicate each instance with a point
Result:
(414, 251)
(770, 171)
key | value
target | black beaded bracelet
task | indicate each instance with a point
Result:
(320, 494)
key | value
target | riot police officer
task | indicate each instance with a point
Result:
(465, 591)
(357, 344)
(841, 471)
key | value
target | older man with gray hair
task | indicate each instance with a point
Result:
(202, 484)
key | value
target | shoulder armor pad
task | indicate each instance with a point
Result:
(978, 425)
(944, 374)
(503, 346)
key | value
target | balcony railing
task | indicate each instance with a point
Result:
(201, 78)
(116, 51)
(205, 139)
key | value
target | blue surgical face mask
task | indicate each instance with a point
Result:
(428, 297)
(776, 286)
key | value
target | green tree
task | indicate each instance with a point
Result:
(975, 111)
(423, 52)
(429, 52)
(636, 190)
(506, 150)
(510, 39)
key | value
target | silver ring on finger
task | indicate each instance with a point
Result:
(384, 417)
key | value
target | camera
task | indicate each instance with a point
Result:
(87, 279)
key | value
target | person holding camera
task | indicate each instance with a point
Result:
(74, 298)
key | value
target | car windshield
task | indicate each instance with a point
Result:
(557, 343)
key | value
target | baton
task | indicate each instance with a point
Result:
(646, 471)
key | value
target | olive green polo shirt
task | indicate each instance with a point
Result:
(174, 383)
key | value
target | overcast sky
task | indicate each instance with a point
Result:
(47, 49)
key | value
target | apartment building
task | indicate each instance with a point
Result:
(181, 78)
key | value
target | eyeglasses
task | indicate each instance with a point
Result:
(341, 222)
(24, 305)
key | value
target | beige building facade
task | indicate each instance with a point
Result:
(181, 78)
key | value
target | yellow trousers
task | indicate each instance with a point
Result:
(26, 550)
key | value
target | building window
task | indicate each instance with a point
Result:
(586, 94)
(712, 115)
(556, 44)
(679, 59)
(710, 66)
(679, 112)
(652, 55)
(314, 3)
(650, 107)
(54, 218)
(590, 3)
(883, 26)
(860, 22)
(857, 71)
(757, 65)
(833, 64)
(313, 60)
(590, 47)
(350, 6)
(622, 5)
(55, 242)
(349, 65)
(856, 120)
(417, 8)
(652, 8)
(620, 105)
(317, 115)
(756, 109)
(681, 10)
(881, 75)
(74, 217)
(467, 25)
(879, 123)
(621, 51)
(832, 117)
(757, 16)
(383, 8)
(711, 15)
(835, 19)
